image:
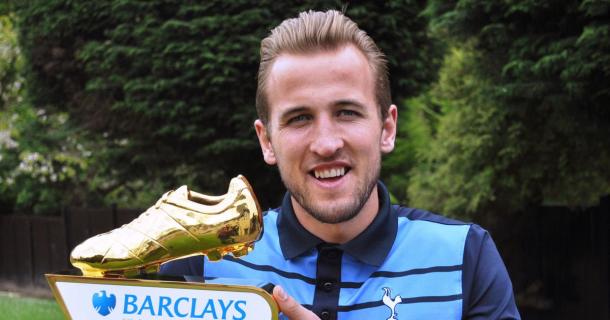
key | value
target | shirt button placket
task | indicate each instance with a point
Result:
(325, 315)
(328, 275)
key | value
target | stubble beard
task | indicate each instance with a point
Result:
(336, 213)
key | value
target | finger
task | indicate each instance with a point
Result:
(289, 307)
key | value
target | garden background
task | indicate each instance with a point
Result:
(504, 119)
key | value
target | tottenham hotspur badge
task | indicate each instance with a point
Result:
(391, 303)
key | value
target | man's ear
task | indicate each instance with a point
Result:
(265, 142)
(388, 131)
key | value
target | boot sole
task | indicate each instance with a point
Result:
(216, 254)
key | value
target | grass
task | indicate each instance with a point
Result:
(16, 307)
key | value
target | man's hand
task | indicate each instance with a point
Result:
(290, 308)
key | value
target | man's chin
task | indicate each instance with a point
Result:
(331, 207)
(333, 214)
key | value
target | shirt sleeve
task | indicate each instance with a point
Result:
(191, 266)
(486, 286)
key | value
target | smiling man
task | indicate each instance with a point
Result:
(336, 248)
(326, 134)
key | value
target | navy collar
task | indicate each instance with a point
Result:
(371, 246)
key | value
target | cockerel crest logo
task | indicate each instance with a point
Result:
(391, 303)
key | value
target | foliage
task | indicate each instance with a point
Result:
(30, 176)
(471, 141)
(40, 158)
(35, 175)
(10, 62)
(535, 129)
(174, 81)
(417, 122)
(45, 161)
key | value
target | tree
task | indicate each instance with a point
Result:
(170, 85)
(470, 142)
(40, 158)
(537, 128)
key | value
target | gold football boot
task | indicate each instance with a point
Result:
(182, 223)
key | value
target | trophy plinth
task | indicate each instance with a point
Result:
(119, 267)
(125, 299)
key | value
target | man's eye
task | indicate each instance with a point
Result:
(348, 113)
(299, 118)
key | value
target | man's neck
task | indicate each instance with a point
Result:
(340, 232)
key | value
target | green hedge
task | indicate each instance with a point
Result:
(170, 85)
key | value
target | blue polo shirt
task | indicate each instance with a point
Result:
(407, 264)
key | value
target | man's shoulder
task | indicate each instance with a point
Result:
(414, 214)
(475, 234)
(424, 215)
(270, 217)
(272, 212)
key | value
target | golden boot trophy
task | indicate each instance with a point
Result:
(180, 224)
(117, 265)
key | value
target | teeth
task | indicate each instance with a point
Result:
(329, 173)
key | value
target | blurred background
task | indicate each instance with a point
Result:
(504, 120)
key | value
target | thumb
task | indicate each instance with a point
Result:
(289, 307)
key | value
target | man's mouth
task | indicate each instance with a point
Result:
(330, 173)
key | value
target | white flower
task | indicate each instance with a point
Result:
(6, 140)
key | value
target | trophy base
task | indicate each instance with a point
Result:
(158, 297)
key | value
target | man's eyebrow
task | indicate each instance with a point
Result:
(339, 103)
(350, 102)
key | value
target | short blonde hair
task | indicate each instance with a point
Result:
(314, 31)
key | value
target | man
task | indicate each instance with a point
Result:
(336, 248)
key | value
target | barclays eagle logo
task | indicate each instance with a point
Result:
(102, 303)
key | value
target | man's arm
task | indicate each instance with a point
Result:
(486, 286)
(191, 266)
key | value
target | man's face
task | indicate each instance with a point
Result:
(324, 131)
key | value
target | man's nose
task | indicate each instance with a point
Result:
(327, 140)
